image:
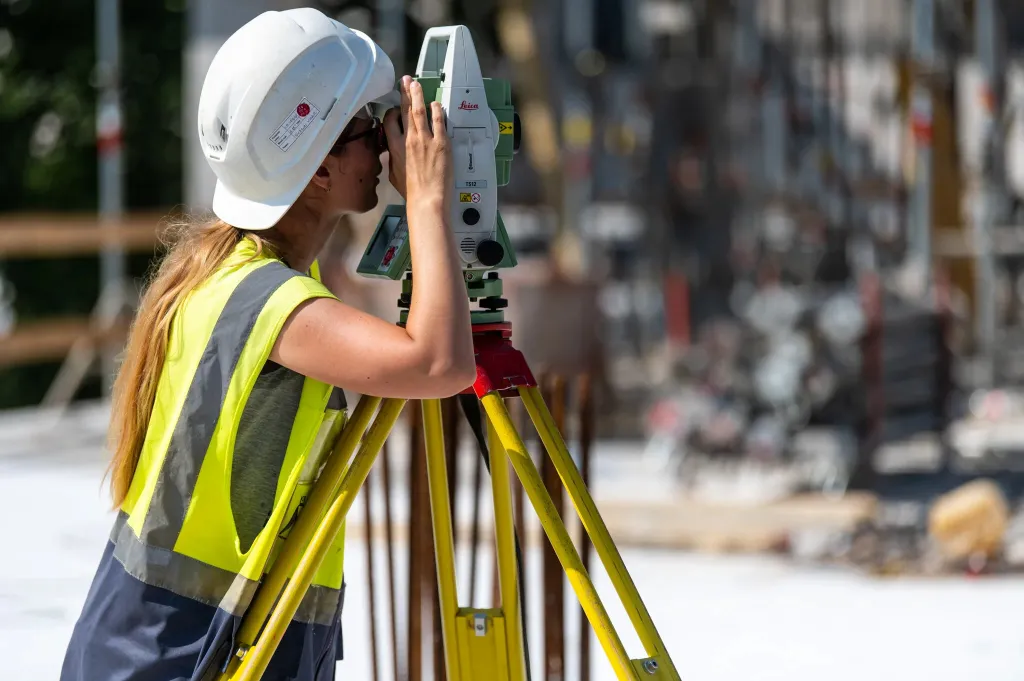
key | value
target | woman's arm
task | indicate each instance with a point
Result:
(433, 355)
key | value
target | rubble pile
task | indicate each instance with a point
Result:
(970, 530)
(785, 369)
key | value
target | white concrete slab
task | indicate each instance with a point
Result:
(723, 619)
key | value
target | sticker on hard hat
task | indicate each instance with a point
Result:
(295, 123)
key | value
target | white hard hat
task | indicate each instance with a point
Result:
(276, 97)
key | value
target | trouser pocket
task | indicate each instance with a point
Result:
(333, 647)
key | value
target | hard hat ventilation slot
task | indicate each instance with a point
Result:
(329, 109)
(214, 142)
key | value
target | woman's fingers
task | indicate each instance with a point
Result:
(437, 111)
(418, 117)
(406, 101)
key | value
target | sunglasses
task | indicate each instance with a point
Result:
(375, 137)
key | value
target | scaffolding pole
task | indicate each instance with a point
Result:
(748, 60)
(923, 63)
(990, 200)
(111, 171)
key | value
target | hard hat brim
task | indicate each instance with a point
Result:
(247, 214)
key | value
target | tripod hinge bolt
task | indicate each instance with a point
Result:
(650, 666)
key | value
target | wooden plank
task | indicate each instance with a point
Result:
(28, 235)
(706, 526)
(957, 243)
(51, 339)
(691, 524)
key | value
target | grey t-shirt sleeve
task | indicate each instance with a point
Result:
(260, 447)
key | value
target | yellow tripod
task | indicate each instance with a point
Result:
(480, 644)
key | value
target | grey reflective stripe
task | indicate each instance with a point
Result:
(199, 581)
(203, 402)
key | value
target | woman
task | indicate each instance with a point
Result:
(228, 393)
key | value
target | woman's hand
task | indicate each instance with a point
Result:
(420, 165)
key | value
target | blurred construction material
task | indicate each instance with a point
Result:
(41, 235)
(907, 373)
(691, 524)
(556, 322)
(970, 521)
(751, 386)
(53, 339)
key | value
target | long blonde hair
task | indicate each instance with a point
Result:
(195, 250)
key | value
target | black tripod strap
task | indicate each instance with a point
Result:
(475, 418)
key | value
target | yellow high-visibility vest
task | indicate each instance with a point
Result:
(176, 528)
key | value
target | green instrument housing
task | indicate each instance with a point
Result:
(499, 99)
(387, 254)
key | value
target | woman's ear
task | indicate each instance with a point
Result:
(322, 178)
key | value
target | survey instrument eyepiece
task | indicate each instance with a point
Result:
(485, 134)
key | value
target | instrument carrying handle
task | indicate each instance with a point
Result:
(431, 47)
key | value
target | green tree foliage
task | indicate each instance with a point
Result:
(48, 159)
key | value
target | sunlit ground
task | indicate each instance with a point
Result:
(723, 619)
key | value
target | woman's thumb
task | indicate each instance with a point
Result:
(393, 123)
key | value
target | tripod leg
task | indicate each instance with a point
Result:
(298, 539)
(255, 660)
(559, 536)
(385, 475)
(505, 555)
(370, 581)
(444, 544)
(595, 527)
